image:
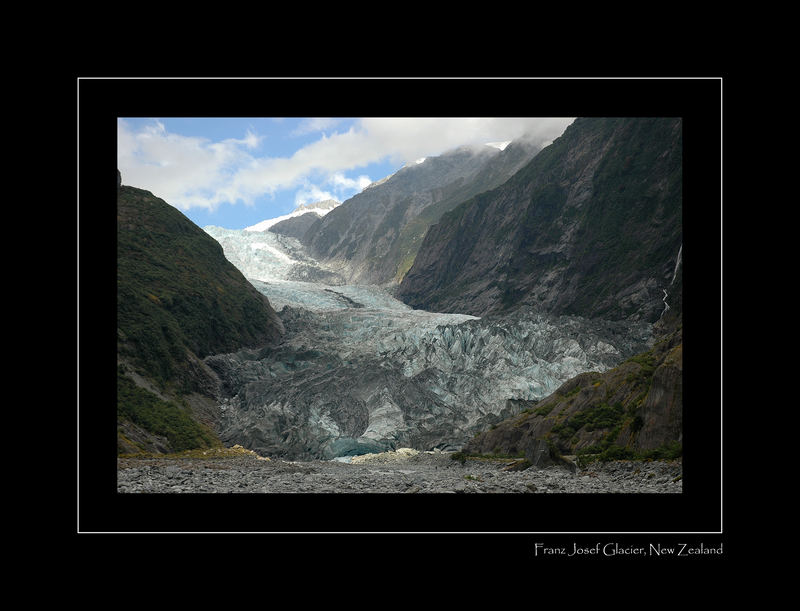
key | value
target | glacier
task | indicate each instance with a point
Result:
(358, 371)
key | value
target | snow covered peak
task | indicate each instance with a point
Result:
(319, 208)
(322, 207)
(499, 145)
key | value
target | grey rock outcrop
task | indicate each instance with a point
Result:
(662, 411)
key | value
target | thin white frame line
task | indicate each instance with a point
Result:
(77, 307)
(721, 325)
(721, 411)
(406, 78)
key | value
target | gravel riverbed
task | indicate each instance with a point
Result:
(404, 471)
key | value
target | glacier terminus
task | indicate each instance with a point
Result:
(358, 371)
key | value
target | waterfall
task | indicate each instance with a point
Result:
(677, 263)
(674, 274)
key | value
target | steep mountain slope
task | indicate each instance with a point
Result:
(178, 301)
(295, 227)
(373, 237)
(634, 409)
(320, 208)
(592, 226)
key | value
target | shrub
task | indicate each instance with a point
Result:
(159, 417)
(606, 451)
(668, 451)
(603, 416)
(573, 391)
(459, 456)
(616, 452)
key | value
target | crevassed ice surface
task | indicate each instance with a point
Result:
(359, 371)
(261, 255)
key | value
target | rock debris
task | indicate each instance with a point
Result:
(407, 472)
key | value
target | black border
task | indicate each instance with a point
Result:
(99, 101)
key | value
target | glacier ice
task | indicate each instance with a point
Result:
(263, 255)
(359, 371)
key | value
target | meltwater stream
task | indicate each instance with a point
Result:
(359, 371)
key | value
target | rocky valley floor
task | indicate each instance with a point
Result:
(404, 472)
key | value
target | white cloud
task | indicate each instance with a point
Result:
(341, 188)
(411, 138)
(311, 193)
(195, 172)
(319, 124)
(251, 139)
(341, 182)
(403, 140)
(185, 171)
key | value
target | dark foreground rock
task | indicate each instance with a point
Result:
(392, 472)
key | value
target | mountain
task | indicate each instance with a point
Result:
(570, 255)
(373, 237)
(297, 222)
(316, 209)
(591, 226)
(296, 226)
(178, 301)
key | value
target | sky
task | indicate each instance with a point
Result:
(236, 172)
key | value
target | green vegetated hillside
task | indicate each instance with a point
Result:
(634, 410)
(178, 301)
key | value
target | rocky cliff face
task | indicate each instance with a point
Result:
(373, 237)
(591, 226)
